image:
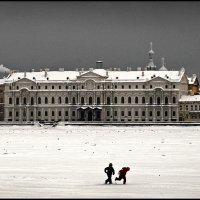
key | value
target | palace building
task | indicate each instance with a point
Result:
(96, 94)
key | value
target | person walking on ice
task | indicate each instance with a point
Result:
(109, 171)
(122, 174)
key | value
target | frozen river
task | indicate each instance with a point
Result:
(69, 161)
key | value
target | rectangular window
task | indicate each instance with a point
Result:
(52, 113)
(136, 113)
(174, 86)
(150, 113)
(191, 107)
(31, 113)
(39, 113)
(66, 113)
(186, 107)
(158, 113)
(143, 113)
(174, 113)
(46, 113)
(115, 113)
(129, 86)
(129, 113)
(108, 113)
(73, 113)
(122, 113)
(17, 114)
(10, 114)
(166, 113)
(59, 113)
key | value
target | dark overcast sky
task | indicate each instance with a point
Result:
(73, 34)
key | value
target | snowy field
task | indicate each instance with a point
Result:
(69, 161)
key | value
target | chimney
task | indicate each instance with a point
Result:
(139, 69)
(90, 69)
(24, 74)
(40, 70)
(61, 70)
(32, 70)
(115, 69)
(99, 65)
(45, 73)
(142, 73)
(82, 69)
(118, 68)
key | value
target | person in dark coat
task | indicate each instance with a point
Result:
(109, 171)
(122, 174)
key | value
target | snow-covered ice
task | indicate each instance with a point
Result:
(69, 161)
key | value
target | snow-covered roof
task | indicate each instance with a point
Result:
(191, 80)
(189, 98)
(137, 76)
(2, 81)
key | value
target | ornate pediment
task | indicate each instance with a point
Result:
(24, 80)
(158, 79)
(91, 75)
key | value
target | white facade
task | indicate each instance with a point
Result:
(94, 95)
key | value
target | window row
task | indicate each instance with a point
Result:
(121, 100)
(136, 113)
(192, 107)
(74, 87)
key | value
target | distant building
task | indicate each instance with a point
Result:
(193, 85)
(147, 95)
(189, 108)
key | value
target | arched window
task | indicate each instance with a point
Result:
(17, 101)
(136, 99)
(66, 100)
(115, 99)
(98, 100)
(82, 100)
(46, 100)
(143, 99)
(10, 100)
(158, 100)
(52, 100)
(151, 100)
(90, 100)
(98, 87)
(24, 101)
(129, 99)
(108, 100)
(32, 100)
(174, 99)
(17, 87)
(122, 99)
(66, 87)
(166, 100)
(39, 100)
(73, 100)
(59, 100)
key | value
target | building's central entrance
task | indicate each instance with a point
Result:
(89, 114)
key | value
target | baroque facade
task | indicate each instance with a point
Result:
(96, 94)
